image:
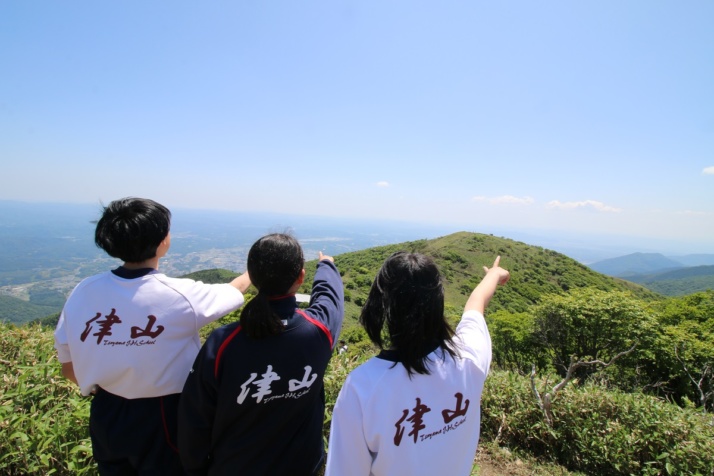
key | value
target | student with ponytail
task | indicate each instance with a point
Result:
(254, 401)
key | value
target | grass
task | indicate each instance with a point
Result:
(44, 422)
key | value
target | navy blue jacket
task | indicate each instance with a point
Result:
(256, 406)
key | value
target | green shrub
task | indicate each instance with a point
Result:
(43, 419)
(599, 431)
(610, 432)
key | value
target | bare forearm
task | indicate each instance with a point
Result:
(242, 282)
(482, 294)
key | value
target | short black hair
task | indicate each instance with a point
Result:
(132, 229)
(274, 264)
(407, 297)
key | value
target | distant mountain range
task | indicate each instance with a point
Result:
(671, 276)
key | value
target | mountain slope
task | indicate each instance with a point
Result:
(678, 282)
(212, 276)
(461, 256)
(17, 311)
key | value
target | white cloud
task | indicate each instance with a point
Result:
(383, 184)
(593, 204)
(692, 213)
(504, 199)
(708, 170)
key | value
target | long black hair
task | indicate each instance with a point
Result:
(407, 297)
(275, 262)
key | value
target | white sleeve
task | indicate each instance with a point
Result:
(209, 301)
(348, 454)
(474, 339)
(213, 301)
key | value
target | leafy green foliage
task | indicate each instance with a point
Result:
(591, 325)
(678, 282)
(513, 337)
(43, 418)
(598, 431)
(673, 356)
(680, 286)
(44, 421)
(685, 343)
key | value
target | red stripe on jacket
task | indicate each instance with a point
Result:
(317, 323)
(222, 348)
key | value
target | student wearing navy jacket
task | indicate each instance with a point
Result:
(254, 401)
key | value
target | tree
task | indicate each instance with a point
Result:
(545, 400)
(683, 354)
(588, 324)
(514, 347)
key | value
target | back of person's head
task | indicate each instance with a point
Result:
(132, 229)
(275, 262)
(407, 297)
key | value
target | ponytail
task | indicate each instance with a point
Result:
(258, 318)
(274, 264)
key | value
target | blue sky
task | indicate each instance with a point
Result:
(582, 118)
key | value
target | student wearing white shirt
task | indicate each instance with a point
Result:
(414, 409)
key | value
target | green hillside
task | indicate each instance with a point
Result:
(17, 311)
(681, 286)
(535, 271)
(679, 282)
(212, 276)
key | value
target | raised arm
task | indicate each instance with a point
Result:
(327, 299)
(482, 294)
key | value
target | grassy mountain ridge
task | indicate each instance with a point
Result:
(461, 256)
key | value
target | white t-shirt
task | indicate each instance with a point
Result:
(384, 423)
(138, 338)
